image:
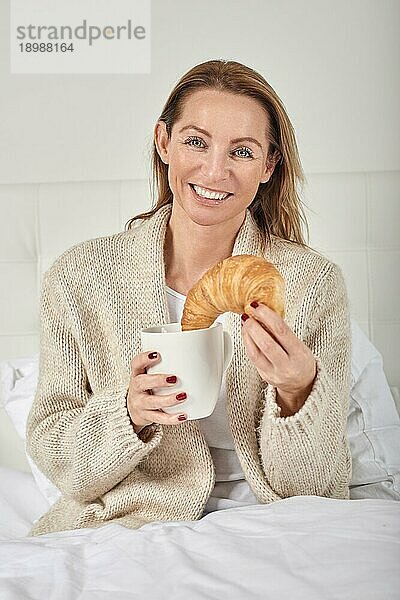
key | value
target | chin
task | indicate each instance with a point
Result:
(205, 218)
(187, 207)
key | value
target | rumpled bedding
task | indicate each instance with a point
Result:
(304, 547)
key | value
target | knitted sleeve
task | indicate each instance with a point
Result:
(307, 453)
(83, 442)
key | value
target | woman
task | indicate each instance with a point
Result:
(226, 166)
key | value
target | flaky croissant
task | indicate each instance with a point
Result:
(231, 285)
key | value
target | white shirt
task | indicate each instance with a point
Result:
(231, 488)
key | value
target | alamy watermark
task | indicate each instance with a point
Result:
(53, 37)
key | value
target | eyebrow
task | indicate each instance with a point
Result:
(235, 141)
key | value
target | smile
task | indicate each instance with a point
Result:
(210, 194)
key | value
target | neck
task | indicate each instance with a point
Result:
(191, 249)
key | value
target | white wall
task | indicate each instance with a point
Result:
(334, 64)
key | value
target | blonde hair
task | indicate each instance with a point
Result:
(277, 207)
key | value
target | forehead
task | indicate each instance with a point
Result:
(241, 115)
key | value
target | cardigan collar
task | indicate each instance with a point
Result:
(248, 239)
(152, 233)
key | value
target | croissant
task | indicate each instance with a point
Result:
(231, 285)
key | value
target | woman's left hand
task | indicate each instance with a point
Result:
(281, 359)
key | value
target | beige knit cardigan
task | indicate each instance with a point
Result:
(95, 299)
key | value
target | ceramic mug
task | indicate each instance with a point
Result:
(198, 358)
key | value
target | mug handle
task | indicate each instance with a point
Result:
(228, 349)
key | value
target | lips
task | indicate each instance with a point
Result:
(209, 189)
(208, 201)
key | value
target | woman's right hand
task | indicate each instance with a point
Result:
(145, 408)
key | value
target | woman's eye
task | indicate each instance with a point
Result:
(244, 149)
(196, 140)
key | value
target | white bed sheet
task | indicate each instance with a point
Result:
(304, 547)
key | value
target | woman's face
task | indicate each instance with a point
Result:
(210, 150)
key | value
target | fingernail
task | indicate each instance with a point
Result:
(181, 396)
(244, 317)
(152, 355)
(254, 304)
(171, 379)
(182, 418)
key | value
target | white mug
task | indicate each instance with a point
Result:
(197, 357)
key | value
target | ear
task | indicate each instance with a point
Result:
(161, 140)
(270, 166)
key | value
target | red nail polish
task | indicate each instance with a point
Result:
(152, 355)
(171, 379)
(181, 396)
(244, 317)
(182, 418)
(254, 304)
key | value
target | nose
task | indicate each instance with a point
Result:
(215, 167)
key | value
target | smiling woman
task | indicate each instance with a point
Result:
(214, 168)
(226, 172)
(234, 99)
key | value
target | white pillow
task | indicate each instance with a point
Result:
(18, 381)
(373, 424)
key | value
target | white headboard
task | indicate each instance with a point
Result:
(353, 217)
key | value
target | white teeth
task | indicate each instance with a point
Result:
(213, 195)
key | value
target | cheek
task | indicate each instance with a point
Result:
(249, 183)
(176, 170)
(181, 164)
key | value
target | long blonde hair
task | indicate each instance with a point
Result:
(277, 207)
